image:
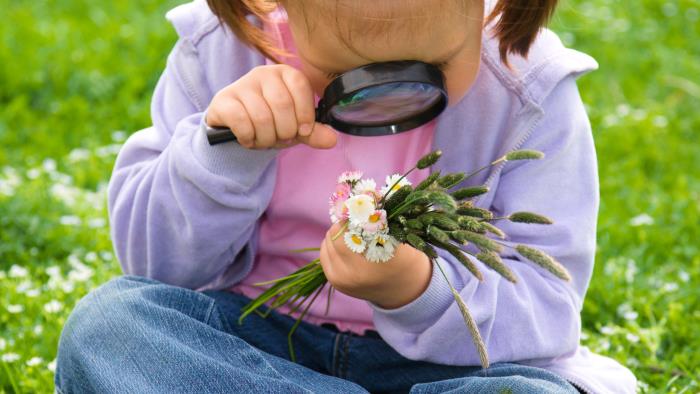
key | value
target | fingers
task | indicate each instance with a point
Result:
(280, 101)
(303, 97)
(261, 117)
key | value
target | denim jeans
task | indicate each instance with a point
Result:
(138, 335)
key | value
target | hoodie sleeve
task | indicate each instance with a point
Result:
(539, 316)
(182, 211)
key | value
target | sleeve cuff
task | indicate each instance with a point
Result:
(230, 159)
(422, 312)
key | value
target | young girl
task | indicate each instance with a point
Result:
(195, 225)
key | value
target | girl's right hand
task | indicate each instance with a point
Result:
(272, 106)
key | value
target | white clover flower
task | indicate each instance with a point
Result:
(632, 338)
(34, 361)
(67, 286)
(10, 357)
(53, 270)
(97, 222)
(390, 180)
(49, 165)
(90, 257)
(364, 186)
(642, 220)
(3, 344)
(53, 306)
(33, 173)
(119, 135)
(31, 293)
(38, 329)
(17, 271)
(78, 154)
(359, 208)
(381, 248)
(606, 330)
(23, 286)
(106, 256)
(52, 365)
(354, 241)
(70, 220)
(350, 176)
(15, 308)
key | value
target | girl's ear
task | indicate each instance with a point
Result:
(233, 14)
(519, 23)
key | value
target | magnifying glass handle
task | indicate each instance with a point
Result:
(218, 135)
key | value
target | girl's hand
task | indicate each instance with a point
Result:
(389, 285)
(272, 106)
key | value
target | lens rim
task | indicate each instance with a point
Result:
(374, 74)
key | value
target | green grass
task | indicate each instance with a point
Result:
(76, 79)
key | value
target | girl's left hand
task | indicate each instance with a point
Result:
(389, 285)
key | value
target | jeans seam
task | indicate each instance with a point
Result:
(336, 359)
(346, 355)
(207, 315)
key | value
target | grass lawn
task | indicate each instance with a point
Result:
(76, 79)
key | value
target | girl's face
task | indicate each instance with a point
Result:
(453, 32)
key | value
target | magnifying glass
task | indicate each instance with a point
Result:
(375, 99)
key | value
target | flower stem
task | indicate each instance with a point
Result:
(469, 321)
(342, 229)
(296, 324)
(500, 160)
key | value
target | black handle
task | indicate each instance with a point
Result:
(217, 135)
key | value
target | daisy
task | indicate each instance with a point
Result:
(350, 177)
(338, 210)
(375, 222)
(360, 207)
(365, 185)
(354, 241)
(381, 249)
(390, 180)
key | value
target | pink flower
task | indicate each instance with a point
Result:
(377, 221)
(338, 211)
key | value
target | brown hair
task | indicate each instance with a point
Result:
(516, 29)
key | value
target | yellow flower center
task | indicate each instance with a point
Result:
(374, 218)
(380, 241)
(396, 187)
(356, 239)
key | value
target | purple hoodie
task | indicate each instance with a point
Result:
(172, 196)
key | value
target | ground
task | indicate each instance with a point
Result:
(76, 80)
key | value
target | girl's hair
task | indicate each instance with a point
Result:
(516, 29)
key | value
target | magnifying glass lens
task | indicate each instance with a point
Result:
(386, 104)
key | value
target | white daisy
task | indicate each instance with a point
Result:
(359, 208)
(364, 186)
(390, 180)
(381, 249)
(354, 241)
(350, 176)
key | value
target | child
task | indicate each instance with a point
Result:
(195, 225)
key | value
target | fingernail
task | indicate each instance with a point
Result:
(305, 129)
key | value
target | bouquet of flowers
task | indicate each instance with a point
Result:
(427, 216)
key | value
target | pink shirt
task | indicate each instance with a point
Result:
(297, 216)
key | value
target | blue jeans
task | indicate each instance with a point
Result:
(138, 335)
